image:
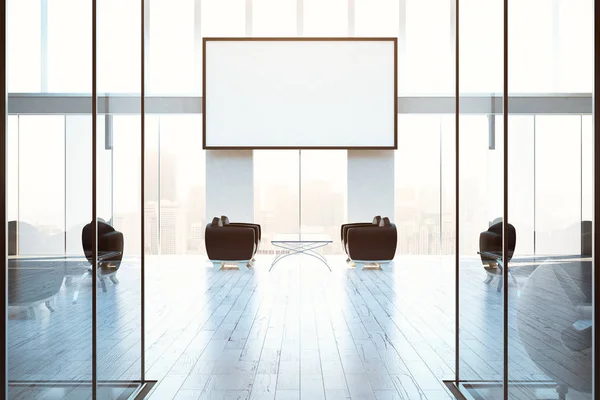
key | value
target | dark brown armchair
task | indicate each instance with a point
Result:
(372, 244)
(490, 250)
(110, 253)
(490, 241)
(229, 244)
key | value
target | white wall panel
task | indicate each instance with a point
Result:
(230, 185)
(370, 184)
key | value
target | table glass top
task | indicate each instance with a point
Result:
(301, 237)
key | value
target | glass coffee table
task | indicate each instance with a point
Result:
(305, 243)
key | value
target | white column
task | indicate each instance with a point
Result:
(370, 184)
(230, 185)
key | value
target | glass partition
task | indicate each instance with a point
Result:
(49, 326)
(49, 329)
(525, 302)
(53, 165)
(549, 336)
(118, 192)
(523, 321)
(480, 199)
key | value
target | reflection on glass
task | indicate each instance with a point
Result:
(550, 306)
(119, 249)
(480, 256)
(118, 205)
(49, 336)
(550, 340)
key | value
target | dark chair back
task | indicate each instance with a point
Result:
(490, 241)
(230, 242)
(109, 240)
(372, 243)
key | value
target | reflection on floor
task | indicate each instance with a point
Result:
(528, 390)
(298, 331)
(70, 391)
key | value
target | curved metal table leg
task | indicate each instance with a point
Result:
(307, 248)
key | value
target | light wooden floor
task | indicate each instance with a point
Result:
(297, 332)
(301, 331)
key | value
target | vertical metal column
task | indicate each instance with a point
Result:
(3, 238)
(457, 198)
(44, 46)
(299, 32)
(596, 250)
(142, 194)
(94, 204)
(505, 213)
(300, 194)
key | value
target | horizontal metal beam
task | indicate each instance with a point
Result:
(475, 104)
(40, 104)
